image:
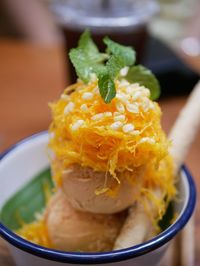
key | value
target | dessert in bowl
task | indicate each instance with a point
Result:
(26, 253)
(110, 165)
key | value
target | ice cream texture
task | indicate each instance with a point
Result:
(64, 228)
(83, 188)
(72, 230)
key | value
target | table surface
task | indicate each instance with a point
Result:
(30, 77)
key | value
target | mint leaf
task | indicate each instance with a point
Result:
(114, 64)
(86, 57)
(143, 76)
(89, 47)
(100, 69)
(106, 87)
(81, 64)
(125, 53)
(86, 43)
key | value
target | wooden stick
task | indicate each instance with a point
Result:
(182, 135)
(172, 256)
(185, 128)
(134, 231)
(187, 244)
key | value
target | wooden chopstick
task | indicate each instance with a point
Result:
(187, 244)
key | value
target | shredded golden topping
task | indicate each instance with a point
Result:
(107, 137)
(36, 232)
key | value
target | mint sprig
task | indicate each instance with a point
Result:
(107, 87)
(114, 65)
(87, 59)
(144, 76)
(125, 53)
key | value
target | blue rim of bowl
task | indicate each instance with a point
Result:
(102, 257)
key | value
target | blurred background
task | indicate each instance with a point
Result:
(36, 35)
(160, 31)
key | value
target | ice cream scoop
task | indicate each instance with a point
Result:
(88, 190)
(72, 230)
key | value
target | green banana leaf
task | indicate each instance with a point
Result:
(28, 201)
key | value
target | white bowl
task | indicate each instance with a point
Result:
(28, 158)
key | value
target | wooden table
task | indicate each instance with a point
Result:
(30, 77)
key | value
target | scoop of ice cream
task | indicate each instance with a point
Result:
(72, 230)
(98, 192)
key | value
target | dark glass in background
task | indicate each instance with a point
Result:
(136, 39)
(124, 21)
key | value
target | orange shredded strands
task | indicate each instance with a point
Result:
(161, 177)
(36, 232)
(82, 132)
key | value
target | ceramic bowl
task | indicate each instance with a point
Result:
(26, 159)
